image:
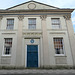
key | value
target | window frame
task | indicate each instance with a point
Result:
(3, 52)
(9, 25)
(56, 24)
(31, 24)
(63, 46)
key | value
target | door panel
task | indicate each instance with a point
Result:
(32, 55)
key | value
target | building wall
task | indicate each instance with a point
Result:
(37, 35)
(8, 59)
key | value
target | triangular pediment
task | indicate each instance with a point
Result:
(32, 5)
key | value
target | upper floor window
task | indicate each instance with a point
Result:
(7, 46)
(10, 24)
(58, 45)
(55, 23)
(32, 23)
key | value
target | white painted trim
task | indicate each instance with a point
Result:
(63, 47)
(6, 55)
(41, 52)
(25, 55)
(38, 56)
(3, 48)
(59, 54)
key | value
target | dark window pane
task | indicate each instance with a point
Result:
(7, 50)
(10, 24)
(58, 45)
(8, 45)
(55, 23)
(32, 23)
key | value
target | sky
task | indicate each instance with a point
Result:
(57, 3)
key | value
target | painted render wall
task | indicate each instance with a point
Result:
(53, 59)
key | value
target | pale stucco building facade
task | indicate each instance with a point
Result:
(34, 34)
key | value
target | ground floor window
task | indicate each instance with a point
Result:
(58, 45)
(7, 46)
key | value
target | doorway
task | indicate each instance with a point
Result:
(32, 55)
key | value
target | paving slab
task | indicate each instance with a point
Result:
(36, 72)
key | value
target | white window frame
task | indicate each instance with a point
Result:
(10, 26)
(55, 25)
(63, 46)
(3, 53)
(30, 25)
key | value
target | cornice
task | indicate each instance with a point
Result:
(37, 10)
(32, 34)
(57, 33)
(9, 33)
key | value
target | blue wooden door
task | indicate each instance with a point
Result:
(32, 55)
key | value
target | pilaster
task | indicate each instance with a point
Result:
(19, 41)
(67, 17)
(0, 20)
(43, 17)
(21, 17)
(70, 35)
(45, 41)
